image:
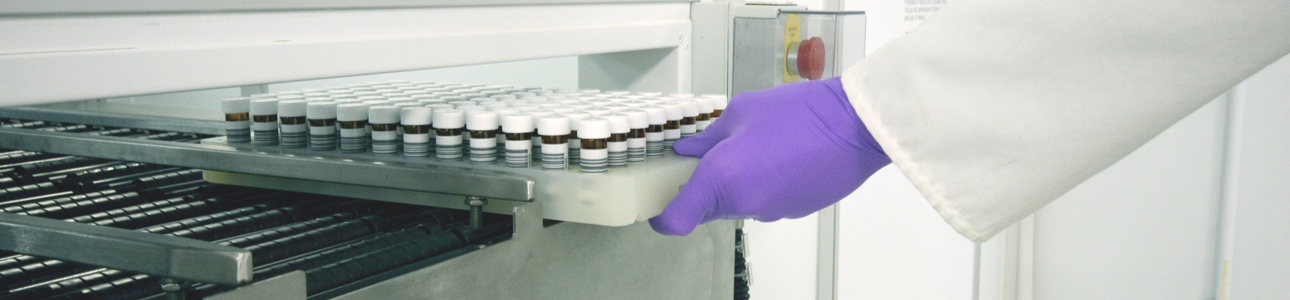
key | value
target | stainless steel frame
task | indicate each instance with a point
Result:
(425, 178)
(153, 254)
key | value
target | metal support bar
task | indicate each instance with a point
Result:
(158, 255)
(417, 177)
(113, 119)
(476, 211)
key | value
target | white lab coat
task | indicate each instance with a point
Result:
(993, 108)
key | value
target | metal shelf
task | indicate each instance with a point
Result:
(52, 58)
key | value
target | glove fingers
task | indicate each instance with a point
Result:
(698, 145)
(690, 208)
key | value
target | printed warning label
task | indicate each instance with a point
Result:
(918, 10)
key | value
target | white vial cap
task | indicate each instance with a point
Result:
(681, 95)
(575, 118)
(517, 123)
(689, 108)
(383, 114)
(481, 120)
(593, 129)
(469, 109)
(321, 110)
(506, 111)
(449, 119)
(618, 123)
(718, 101)
(657, 115)
(541, 113)
(705, 104)
(440, 106)
(673, 111)
(237, 105)
(415, 116)
(616, 107)
(260, 107)
(596, 112)
(553, 125)
(291, 108)
(351, 112)
(637, 118)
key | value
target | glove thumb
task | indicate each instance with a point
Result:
(687, 211)
(698, 145)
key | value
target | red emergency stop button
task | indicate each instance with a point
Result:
(810, 58)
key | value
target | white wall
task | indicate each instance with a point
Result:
(561, 72)
(1260, 268)
(1145, 228)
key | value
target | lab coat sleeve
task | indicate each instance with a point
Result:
(994, 108)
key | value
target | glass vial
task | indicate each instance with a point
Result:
(554, 132)
(352, 119)
(321, 116)
(237, 119)
(448, 125)
(619, 126)
(483, 136)
(719, 103)
(638, 120)
(689, 117)
(292, 130)
(537, 140)
(384, 122)
(575, 146)
(519, 132)
(594, 135)
(672, 129)
(264, 122)
(704, 119)
(654, 136)
(417, 135)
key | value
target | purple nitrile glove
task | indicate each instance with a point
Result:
(783, 152)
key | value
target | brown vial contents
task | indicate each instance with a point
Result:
(638, 133)
(594, 144)
(716, 113)
(673, 124)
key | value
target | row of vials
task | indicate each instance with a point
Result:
(483, 124)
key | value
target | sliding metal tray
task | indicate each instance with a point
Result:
(619, 197)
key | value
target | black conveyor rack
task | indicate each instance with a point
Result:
(337, 242)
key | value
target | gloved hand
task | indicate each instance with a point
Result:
(783, 152)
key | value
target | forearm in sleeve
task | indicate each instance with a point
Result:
(993, 108)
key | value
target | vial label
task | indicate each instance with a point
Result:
(688, 130)
(265, 130)
(617, 153)
(670, 136)
(483, 151)
(416, 140)
(353, 140)
(322, 134)
(636, 145)
(536, 146)
(594, 160)
(385, 139)
(654, 144)
(293, 135)
(501, 147)
(237, 127)
(518, 153)
(554, 156)
(448, 147)
(575, 149)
